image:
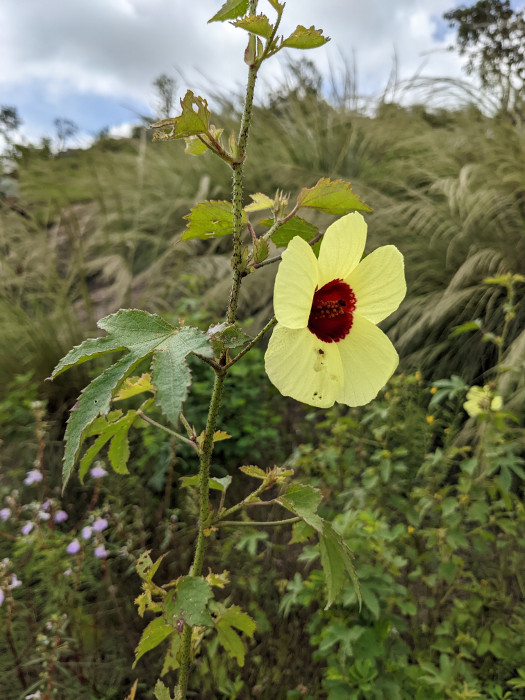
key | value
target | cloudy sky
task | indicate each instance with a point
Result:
(94, 61)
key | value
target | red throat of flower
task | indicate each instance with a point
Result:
(332, 311)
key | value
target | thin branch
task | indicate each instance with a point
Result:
(250, 345)
(259, 523)
(169, 431)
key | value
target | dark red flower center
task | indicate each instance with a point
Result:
(332, 311)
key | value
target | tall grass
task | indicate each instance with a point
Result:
(446, 185)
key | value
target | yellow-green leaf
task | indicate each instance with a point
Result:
(303, 38)
(255, 24)
(210, 219)
(133, 386)
(332, 197)
(260, 202)
(230, 10)
(154, 634)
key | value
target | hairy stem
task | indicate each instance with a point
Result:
(206, 450)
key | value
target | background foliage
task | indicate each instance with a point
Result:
(429, 500)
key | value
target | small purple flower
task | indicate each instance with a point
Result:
(33, 477)
(67, 572)
(86, 532)
(5, 514)
(42, 515)
(73, 547)
(34, 696)
(2, 596)
(15, 581)
(28, 527)
(98, 472)
(100, 524)
(46, 504)
(100, 552)
(61, 516)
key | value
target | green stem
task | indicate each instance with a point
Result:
(206, 449)
(259, 523)
(204, 512)
(237, 186)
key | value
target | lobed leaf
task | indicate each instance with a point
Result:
(94, 401)
(171, 374)
(255, 24)
(189, 602)
(260, 202)
(227, 619)
(230, 10)
(303, 38)
(210, 219)
(142, 334)
(161, 691)
(227, 335)
(332, 197)
(190, 123)
(87, 350)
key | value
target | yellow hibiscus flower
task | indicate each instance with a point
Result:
(482, 400)
(326, 346)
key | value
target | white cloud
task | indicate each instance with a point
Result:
(115, 48)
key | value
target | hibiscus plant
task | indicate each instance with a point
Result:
(325, 347)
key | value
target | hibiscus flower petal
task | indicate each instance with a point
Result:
(304, 367)
(341, 248)
(295, 284)
(378, 283)
(369, 360)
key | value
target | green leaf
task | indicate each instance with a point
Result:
(467, 327)
(301, 532)
(230, 10)
(154, 634)
(141, 334)
(190, 123)
(227, 619)
(119, 448)
(296, 226)
(336, 557)
(252, 470)
(93, 401)
(171, 662)
(170, 372)
(188, 603)
(161, 692)
(370, 600)
(303, 501)
(303, 38)
(227, 335)
(210, 219)
(94, 449)
(88, 350)
(215, 483)
(332, 197)
(255, 24)
(132, 386)
(194, 146)
(260, 202)
(146, 569)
